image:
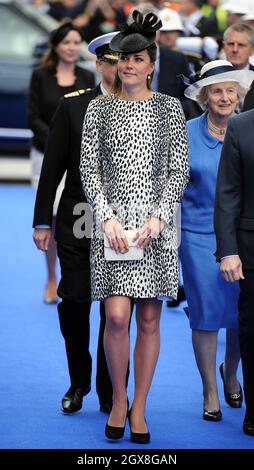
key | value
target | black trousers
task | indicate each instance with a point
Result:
(246, 337)
(74, 318)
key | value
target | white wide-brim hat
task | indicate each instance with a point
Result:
(219, 71)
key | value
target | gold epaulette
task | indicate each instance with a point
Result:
(77, 93)
(194, 55)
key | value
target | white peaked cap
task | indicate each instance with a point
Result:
(171, 20)
(239, 7)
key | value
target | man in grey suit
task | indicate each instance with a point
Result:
(234, 228)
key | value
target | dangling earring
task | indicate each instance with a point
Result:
(149, 77)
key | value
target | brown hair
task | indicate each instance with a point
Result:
(152, 52)
(50, 59)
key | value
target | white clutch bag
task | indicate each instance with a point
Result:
(134, 253)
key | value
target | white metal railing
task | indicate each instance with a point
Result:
(6, 133)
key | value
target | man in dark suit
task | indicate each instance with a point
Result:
(63, 153)
(166, 80)
(249, 98)
(238, 43)
(234, 228)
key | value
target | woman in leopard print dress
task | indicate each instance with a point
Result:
(134, 169)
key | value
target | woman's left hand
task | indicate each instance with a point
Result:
(152, 229)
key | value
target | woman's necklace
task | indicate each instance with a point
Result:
(214, 129)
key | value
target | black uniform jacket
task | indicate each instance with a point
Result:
(234, 204)
(44, 96)
(63, 153)
(172, 65)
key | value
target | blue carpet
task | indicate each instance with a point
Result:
(34, 371)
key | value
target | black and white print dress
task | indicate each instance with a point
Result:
(134, 164)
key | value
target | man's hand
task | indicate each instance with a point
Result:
(231, 268)
(41, 237)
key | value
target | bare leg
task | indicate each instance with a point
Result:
(51, 256)
(117, 351)
(232, 358)
(205, 347)
(145, 358)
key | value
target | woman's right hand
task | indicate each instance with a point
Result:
(41, 237)
(116, 236)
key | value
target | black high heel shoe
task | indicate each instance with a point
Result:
(138, 437)
(116, 432)
(232, 399)
(212, 415)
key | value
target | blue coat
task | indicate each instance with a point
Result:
(212, 302)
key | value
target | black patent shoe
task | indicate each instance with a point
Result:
(138, 437)
(212, 415)
(248, 425)
(73, 399)
(116, 432)
(232, 399)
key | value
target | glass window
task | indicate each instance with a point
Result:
(18, 35)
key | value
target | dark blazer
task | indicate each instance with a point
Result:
(63, 153)
(234, 203)
(172, 64)
(249, 98)
(44, 96)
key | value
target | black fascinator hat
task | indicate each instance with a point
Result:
(138, 35)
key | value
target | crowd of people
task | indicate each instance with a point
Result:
(164, 130)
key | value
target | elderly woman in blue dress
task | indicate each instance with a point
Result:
(212, 302)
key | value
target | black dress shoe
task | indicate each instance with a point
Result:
(116, 432)
(232, 399)
(138, 437)
(248, 425)
(212, 415)
(106, 407)
(73, 399)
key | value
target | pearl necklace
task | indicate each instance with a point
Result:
(214, 129)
